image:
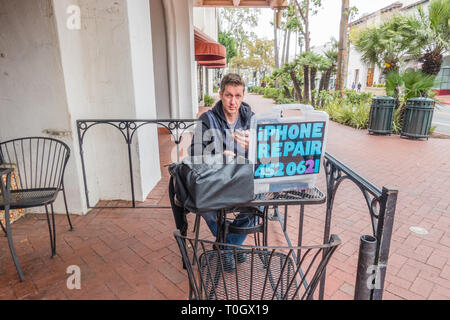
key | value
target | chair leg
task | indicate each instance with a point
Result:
(11, 246)
(67, 210)
(3, 228)
(197, 230)
(51, 230)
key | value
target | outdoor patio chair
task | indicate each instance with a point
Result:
(39, 164)
(268, 273)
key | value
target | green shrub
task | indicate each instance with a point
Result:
(283, 100)
(417, 84)
(256, 90)
(351, 110)
(272, 93)
(358, 98)
(360, 118)
(208, 100)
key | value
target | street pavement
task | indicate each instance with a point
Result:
(441, 117)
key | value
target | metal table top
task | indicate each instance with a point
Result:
(307, 196)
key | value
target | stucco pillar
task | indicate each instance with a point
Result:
(108, 73)
(181, 58)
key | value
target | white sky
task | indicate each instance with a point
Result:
(325, 24)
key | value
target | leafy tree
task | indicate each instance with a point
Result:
(291, 24)
(238, 23)
(226, 39)
(304, 9)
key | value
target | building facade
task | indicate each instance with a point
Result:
(371, 75)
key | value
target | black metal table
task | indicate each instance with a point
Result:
(5, 201)
(311, 196)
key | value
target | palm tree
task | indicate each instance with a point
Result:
(385, 45)
(304, 61)
(428, 36)
(283, 78)
(293, 69)
(310, 63)
(329, 65)
(317, 62)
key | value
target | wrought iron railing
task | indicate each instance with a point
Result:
(128, 129)
(381, 203)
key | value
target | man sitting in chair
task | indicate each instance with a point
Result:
(229, 118)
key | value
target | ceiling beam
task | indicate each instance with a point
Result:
(274, 4)
(278, 4)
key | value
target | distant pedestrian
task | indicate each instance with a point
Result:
(359, 87)
(353, 86)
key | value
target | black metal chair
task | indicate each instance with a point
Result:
(40, 163)
(267, 273)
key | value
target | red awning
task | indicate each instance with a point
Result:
(216, 64)
(206, 49)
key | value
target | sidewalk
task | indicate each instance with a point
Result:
(445, 100)
(131, 253)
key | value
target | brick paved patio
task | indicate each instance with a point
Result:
(131, 254)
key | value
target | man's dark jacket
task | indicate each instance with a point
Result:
(220, 123)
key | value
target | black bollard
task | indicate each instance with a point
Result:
(366, 274)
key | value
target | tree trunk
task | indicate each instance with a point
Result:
(307, 34)
(343, 46)
(283, 54)
(286, 59)
(275, 42)
(306, 83)
(297, 88)
(313, 85)
(326, 85)
(287, 93)
(432, 62)
(322, 81)
(304, 17)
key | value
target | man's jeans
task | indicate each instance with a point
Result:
(242, 220)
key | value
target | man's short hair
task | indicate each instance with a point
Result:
(231, 79)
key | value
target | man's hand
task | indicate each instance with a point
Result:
(229, 153)
(242, 138)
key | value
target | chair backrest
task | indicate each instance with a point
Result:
(267, 273)
(39, 161)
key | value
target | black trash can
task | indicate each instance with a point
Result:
(381, 115)
(418, 117)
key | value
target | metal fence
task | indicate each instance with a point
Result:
(381, 204)
(128, 129)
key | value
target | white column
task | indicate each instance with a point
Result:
(149, 172)
(33, 98)
(108, 73)
(181, 58)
